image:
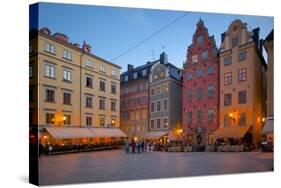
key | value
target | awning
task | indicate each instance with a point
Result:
(268, 127)
(231, 132)
(155, 134)
(107, 132)
(68, 133)
(172, 136)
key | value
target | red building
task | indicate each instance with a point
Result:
(201, 88)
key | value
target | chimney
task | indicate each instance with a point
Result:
(222, 37)
(163, 58)
(46, 30)
(130, 67)
(61, 37)
(76, 45)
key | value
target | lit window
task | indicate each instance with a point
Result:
(50, 118)
(67, 75)
(227, 78)
(49, 70)
(67, 55)
(67, 119)
(242, 74)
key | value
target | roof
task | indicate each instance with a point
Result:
(141, 67)
(270, 36)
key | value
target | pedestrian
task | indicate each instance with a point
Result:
(133, 145)
(142, 145)
(139, 146)
(147, 146)
(127, 146)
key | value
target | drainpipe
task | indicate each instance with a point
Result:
(81, 88)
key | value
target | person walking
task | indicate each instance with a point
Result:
(142, 145)
(133, 145)
(127, 146)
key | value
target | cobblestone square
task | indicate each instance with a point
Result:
(116, 165)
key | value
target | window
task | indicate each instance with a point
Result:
(67, 119)
(126, 78)
(89, 102)
(242, 119)
(113, 106)
(158, 104)
(189, 117)
(158, 123)
(242, 56)
(50, 118)
(152, 124)
(113, 73)
(199, 73)
(199, 93)
(135, 75)
(102, 121)
(165, 88)
(235, 42)
(227, 99)
(242, 74)
(49, 70)
(102, 86)
(227, 60)
(242, 97)
(50, 95)
(199, 117)
(165, 123)
(50, 48)
(189, 76)
(152, 92)
(211, 115)
(102, 68)
(227, 78)
(200, 39)
(189, 95)
(152, 107)
(89, 82)
(66, 98)
(205, 54)
(30, 71)
(165, 104)
(144, 72)
(89, 120)
(211, 70)
(158, 90)
(227, 120)
(89, 63)
(211, 91)
(195, 58)
(113, 89)
(67, 55)
(102, 104)
(67, 75)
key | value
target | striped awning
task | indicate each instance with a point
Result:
(155, 134)
(231, 132)
(69, 133)
(107, 132)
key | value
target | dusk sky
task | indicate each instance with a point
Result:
(113, 30)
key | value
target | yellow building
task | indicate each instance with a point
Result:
(242, 84)
(71, 88)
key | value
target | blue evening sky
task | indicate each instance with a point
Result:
(112, 30)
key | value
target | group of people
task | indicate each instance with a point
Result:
(132, 146)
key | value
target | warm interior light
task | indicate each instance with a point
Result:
(263, 119)
(230, 114)
(64, 118)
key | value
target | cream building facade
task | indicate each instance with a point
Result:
(74, 87)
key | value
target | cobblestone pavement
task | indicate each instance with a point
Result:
(116, 165)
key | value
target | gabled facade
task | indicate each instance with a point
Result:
(242, 83)
(201, 88)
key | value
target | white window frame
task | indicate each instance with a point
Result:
(67, 55)
(89, 63)
(113, 72)
(50, 70)
(67, 75)
(102, 68)
(50, 48)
